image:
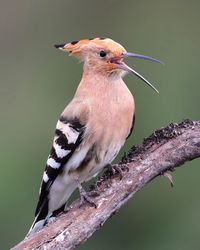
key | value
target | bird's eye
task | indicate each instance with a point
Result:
(102, 53)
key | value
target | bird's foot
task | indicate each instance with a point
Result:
(169, 177)
(113, 169)
(85, 197)
(51, 220)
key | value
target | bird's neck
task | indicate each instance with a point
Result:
(95, 83)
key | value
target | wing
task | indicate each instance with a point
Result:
(131, 130)
(68, 136)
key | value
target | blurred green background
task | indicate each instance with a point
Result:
(37, 81)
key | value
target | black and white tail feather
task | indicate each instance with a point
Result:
(68, 137)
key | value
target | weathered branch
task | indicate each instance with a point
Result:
(164, 150)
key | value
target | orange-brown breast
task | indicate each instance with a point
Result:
(111, 106)
(106, 108)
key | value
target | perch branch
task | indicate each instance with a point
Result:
(163, 151)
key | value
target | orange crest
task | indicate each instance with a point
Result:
(79, 48)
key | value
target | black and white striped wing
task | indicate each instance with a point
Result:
(68, 136)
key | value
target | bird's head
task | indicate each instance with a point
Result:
(104, 56)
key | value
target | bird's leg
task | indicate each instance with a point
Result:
(116, 169)
(84, 196)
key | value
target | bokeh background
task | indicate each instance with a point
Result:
(37, 81)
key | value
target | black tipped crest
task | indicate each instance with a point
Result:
(74, 42)
(100, 38)
(59, 46)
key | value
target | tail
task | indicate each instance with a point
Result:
(36, 226)
(40, 219)
(45, 210)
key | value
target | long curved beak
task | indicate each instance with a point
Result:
(125, 67)
(148, 58)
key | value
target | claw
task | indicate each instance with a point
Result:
(85, 197)
(51, 220)
(113, 169)
(169, 177)
(117, 169)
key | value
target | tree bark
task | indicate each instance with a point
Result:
(163, 151)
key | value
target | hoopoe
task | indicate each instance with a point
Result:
(92, 128)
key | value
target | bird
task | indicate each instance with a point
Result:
(92, 128)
